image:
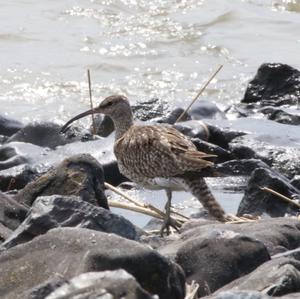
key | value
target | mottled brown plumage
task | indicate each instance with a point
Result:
(157, 156)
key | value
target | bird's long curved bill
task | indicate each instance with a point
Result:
(67, 124)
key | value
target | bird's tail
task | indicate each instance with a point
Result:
(200, 190)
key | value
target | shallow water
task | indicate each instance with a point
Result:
(142, 49)
(139, 48)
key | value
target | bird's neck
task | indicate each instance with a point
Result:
(122, 124)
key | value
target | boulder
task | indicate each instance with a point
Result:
(283, 116)
(206, 110)
(16, 177)
(275, 84)
(220, 257)
(276, 277)
(117, 284)
(80, 175)
(70, 252)
(48, 212)
(256, 201)
(12, 213)
(42, 134)
(9, 126)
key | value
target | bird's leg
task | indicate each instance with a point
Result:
(168, 221)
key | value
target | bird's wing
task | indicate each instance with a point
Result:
(158, 151)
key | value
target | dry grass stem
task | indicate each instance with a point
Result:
(285, 198)
(191, 290)
(91, 100)
(199, 93)
(141, 207)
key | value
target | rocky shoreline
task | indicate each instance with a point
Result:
(58, 238)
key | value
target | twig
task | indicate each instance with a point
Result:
(199, 93)
(144, 207)
(117, 204)
(91, 100)
(285, 198)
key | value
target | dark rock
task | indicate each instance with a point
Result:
(219, 258)
(232, 294)
(277, 234)
(284, 116)
(149, 109)
(112, 173)
(10, 157)
(79, 175)
(171, 117)
(256, 201)
(42, 290)
(222, 154)
(296, 181)
(41, 134)
(275, 84)
(16, 177)
(274, 143)
(9, 126)
(206, 109)
(275, 278)
(72, 251)
(193, 129)
(12, 213)
(69, 211)
(108, 284)
(239, 167)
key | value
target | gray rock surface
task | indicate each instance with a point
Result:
(72, 251)
(80, 175)
(257, 201)
(277, 277)
(116, 284)
(49, 212)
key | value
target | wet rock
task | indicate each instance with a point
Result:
(243, 167)
(171, 117)
(275, 278)
(232, 294)
(149, 109)
(16, 177)
(12, 213)
(275, 84)
(48, 212)
(206, 109)
(10, 157)
(296, 181)
(219, 258)
(9, 126)
(193, 129)
(41, 134)
(42, 290)
(72, 251)
(257, 202)
(274, 143)
(108, 284)
(80, 175)
(284, 116)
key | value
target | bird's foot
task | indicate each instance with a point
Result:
(169, 222)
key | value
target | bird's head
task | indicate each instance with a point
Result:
(115, 106)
